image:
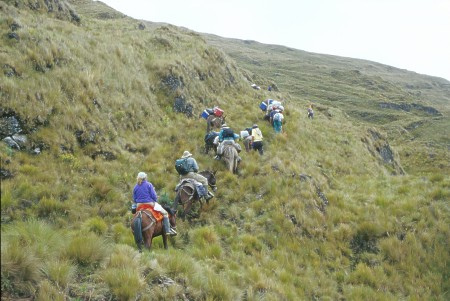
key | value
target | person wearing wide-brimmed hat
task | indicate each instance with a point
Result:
(227, 136)
(192, 173)
(257, 138)
(144, 194)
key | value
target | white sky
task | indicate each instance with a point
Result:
(408, 34)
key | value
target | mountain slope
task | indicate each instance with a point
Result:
(412, 108)
(90, 103)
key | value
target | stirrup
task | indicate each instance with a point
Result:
(172, 232)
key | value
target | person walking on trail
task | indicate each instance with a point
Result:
(192, 173)
(310, 112)
(144, 194)
(278, 121)
(257, 139)
(227, 136)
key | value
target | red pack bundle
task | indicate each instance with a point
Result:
(218, 111)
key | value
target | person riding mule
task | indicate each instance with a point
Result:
(190, 171)
(227, 137)
(146, 224)
(144, 195)
(188, 192)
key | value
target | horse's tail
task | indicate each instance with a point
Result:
(177, 199)
(137, 231)
(230, 155)
(175, 203)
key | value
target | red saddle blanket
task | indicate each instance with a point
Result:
(156, 214)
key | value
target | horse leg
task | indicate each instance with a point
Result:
(148, 236)
(187, 209)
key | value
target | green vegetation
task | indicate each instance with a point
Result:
(412, 108)
(321, 216)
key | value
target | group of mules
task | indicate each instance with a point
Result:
(145, 226)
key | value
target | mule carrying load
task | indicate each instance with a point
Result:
(189, 191)
(214, 118)
(216, 111)
(269, 106)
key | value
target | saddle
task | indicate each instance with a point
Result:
(193, 184)
(145, 207)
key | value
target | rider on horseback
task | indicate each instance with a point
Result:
(192, 174)
(227, 136)
(144, 193)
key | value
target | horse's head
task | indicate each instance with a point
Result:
(211, 177)
(172, 215)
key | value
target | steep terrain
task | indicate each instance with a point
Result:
(90, 97)
(412, 108)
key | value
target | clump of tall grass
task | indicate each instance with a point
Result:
(60, 272)
(205, 243)
(47, 291)
(48, 207)
(21, 269)
(124, 283)
(96, 224)
(86, 249)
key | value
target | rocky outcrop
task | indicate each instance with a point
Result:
(182, 106)
(379, 147)
(408, 107)
(61, 9)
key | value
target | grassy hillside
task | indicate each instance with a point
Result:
(92, 97)
(412, 108)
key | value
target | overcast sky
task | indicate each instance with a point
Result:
(408, 34)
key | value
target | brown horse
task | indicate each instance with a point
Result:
(231, 158)
(214, 122)
(145, 227)
(187, 194)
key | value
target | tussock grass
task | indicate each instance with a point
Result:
(123, 282)
(62, 273)
(315, 217)
(86, 250)
(49, 292)
(21, 270)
